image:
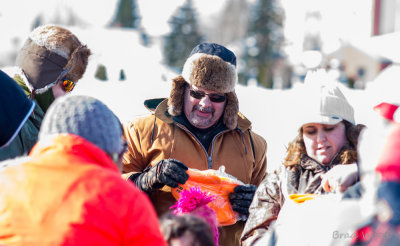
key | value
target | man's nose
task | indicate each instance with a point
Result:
(205, 101)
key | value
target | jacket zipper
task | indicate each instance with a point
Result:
(186, 130)
(212, 148)
(209, 157)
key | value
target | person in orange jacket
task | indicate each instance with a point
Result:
(69, 191)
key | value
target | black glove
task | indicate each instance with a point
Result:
(166, 172)
(241, 198)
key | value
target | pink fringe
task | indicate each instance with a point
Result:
(195, 201)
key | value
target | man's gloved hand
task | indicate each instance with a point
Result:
(166, 172)
(241, 198)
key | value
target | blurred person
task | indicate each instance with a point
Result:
(321, 159)
(389, 113)
(49, 64)
(186, 230)
(12, 115)
(69, 191)
(199, 126)
(380, 164)
(195, 201)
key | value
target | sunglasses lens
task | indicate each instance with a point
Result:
(217, 98)
(213, 97)
(68, 85)
(197, 94)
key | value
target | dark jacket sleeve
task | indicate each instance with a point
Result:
(355, 191)
(264, 209)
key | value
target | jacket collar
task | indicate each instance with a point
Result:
(161, 112)
(63, 145)
(43, 100)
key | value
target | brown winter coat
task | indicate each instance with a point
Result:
(270, 196)
(157, 137)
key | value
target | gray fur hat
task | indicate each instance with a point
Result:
(86, 117)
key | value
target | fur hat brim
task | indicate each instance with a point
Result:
(175, 102)
(210, 72)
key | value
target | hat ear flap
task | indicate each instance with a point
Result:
(231, 110)
(78, 63)
(175, 100)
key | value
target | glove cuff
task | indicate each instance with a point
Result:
(133, 177)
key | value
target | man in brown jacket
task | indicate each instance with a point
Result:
(199, 126)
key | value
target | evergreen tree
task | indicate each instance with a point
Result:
(127, 14)
(122, 75)
(183, 37)
(101, 73)
(263, 45)
(38, 21)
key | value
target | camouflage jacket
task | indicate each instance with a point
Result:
(305, 177)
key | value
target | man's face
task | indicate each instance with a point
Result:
(203, 112)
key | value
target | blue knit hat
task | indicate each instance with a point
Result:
(86, 117)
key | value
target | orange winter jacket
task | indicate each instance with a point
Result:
(156, 137)
(69, 192)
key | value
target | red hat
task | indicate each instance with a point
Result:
(389, 161)
(388, 111)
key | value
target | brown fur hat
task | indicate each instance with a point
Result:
(50, 51)
(212, 67)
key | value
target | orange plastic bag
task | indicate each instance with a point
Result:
(217, 183)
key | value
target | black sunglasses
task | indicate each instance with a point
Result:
(217, 98)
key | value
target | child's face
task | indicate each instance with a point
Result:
(186, 239)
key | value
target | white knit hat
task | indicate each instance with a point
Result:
(322, 101)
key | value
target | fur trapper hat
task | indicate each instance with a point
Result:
(51, 53)
(212, 67)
